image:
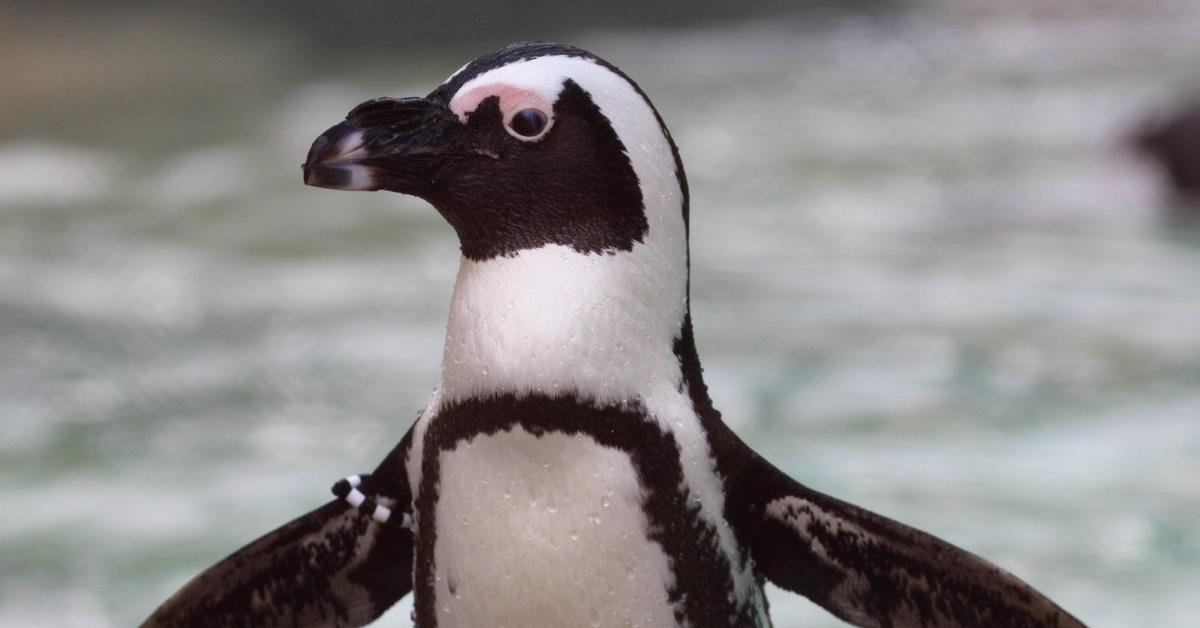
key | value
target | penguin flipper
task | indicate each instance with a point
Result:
(335, 566)
(867, 569)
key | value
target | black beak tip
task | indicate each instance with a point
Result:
(334, 177)
(334, 160)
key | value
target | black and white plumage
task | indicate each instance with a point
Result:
(570, 469)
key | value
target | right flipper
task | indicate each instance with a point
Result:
(335, 566)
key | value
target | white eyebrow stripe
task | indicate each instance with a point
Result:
(513, 98)
(543, 76)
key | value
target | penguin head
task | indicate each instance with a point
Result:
(532, 145)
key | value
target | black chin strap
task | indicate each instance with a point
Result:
(347, 490)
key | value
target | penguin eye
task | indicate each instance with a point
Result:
(528, 123)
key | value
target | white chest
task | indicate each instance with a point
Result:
(545, 531)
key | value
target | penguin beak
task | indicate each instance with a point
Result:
(395, 144)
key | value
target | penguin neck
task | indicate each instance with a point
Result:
(602, 327)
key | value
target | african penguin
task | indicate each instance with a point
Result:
(570, 469)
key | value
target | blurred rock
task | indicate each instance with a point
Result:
(1173, 141)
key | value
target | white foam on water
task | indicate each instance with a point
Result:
(45, 173)
(199, 176)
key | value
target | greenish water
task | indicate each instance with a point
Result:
(927, 278)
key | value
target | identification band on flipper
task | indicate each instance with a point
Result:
(347, 490)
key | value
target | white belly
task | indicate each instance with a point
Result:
(545, 531)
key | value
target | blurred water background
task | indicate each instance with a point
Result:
(928, 276)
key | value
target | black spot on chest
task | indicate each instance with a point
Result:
(703, 590)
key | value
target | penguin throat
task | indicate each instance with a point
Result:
(554, 321)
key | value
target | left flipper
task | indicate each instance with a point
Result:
(865, 568)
